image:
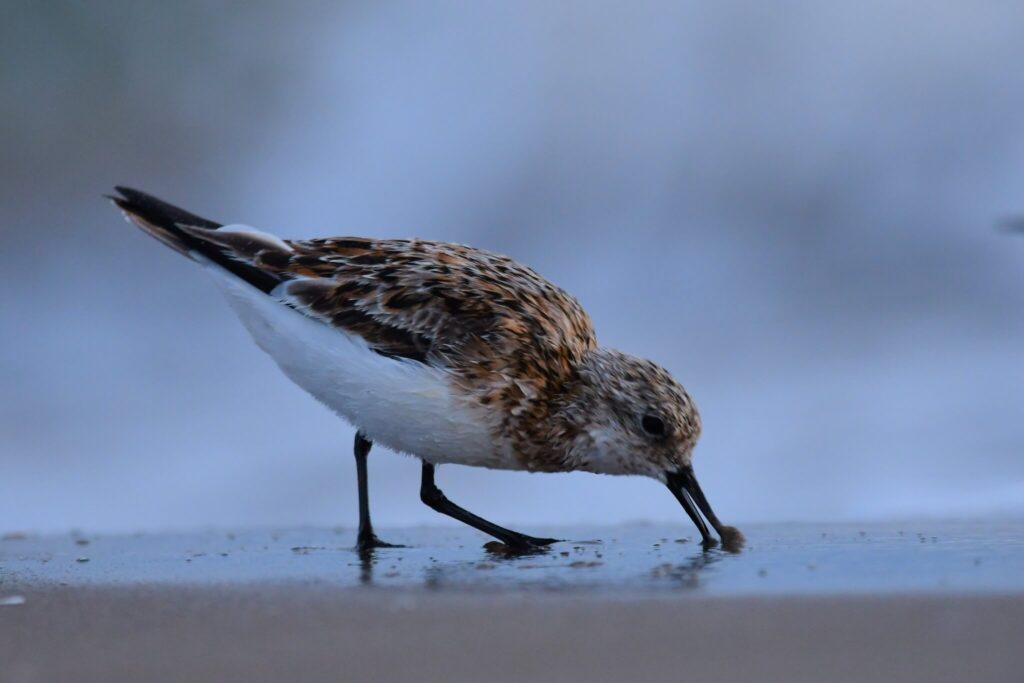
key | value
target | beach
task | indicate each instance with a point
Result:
(624, 603)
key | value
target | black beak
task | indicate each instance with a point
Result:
(683, 485)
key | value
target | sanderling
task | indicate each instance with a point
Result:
(447, 353)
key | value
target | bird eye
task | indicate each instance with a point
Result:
(653, 425)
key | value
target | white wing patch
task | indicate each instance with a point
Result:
(241, 239)
(272, 241)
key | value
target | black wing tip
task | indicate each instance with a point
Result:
(156, 210)
(165, 221)
(126, 196)
(132, 193)
(120, 202)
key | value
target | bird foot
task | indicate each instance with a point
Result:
(371, 542)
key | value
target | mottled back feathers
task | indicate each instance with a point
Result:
(443, 303)
(481, 315)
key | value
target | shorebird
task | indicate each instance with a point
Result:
(446, 353)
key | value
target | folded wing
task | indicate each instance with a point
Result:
(431, 302)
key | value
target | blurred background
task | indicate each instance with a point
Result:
(794, 207)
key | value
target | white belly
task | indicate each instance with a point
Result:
(404, 405)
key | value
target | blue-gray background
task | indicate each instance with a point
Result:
(791, 206)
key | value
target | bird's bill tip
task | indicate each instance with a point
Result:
(684, 486)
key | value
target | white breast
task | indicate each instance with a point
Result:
(404, 405)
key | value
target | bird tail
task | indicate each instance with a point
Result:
(191, 235)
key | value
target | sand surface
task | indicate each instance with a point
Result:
(801, 603)
(264, 633)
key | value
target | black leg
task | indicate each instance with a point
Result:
(435, 499)
(367, 539)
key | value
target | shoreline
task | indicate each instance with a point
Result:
(814, 602)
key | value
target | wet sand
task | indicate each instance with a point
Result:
(802, 603)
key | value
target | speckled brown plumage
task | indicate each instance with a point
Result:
(510, 337)
(478, 313)
(508, 363)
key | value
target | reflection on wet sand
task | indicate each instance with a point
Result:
(779, 559)
(558, 567)
(366, 562)
(687, 574)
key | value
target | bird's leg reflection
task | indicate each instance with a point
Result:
(366, 562)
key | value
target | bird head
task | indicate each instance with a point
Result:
(633, 417)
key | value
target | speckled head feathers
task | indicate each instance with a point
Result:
(638, 420)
